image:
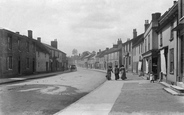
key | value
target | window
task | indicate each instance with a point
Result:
(161, 39)
(172, 61)
(27, 46)
(34, 48)
(129, 60)
(18, 43)
(172, 32)
(145, 45)
(9, 62)
(27, 62)
(9, 42)
(130, 47)
(148, 42)
(38, 54)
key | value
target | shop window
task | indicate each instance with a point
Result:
(172, 61)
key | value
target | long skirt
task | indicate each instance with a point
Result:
(123, 76)
(108, 76)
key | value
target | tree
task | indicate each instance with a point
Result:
(74, 52)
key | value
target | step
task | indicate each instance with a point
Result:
(177, 88)
(172, 92)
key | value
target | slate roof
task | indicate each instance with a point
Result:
(137, 40)
(50, 47)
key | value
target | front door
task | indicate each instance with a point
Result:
(19, 66)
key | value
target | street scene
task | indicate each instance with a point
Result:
(94, 57)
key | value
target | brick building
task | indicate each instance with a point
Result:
(17, 54)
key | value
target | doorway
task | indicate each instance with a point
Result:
(19, 66)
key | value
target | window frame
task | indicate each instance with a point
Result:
(171, 61)
(9, 63)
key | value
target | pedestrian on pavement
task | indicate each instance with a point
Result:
(109, 70)
(123, 72)
(152, 77)
(116, 72)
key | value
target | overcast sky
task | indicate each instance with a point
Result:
(86, 25)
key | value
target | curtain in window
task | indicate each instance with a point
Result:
(163, 62)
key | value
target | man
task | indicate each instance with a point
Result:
(116, 72)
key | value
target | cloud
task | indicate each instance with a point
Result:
(81, 24)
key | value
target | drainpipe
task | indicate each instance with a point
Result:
(177, 54)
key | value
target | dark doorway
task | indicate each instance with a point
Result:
(19, 66)
(33, 65)
(47, 66)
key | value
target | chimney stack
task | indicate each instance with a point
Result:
(39, 39)
(134, 33)
(174, 2)
(146, 25)
(155, 16)
(54, 43)
(30, 34)
(17, 33)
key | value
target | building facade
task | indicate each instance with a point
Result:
(150, 58)
(57, 58)
(137, 49)
(18, 54)
(167, 40)
(42, 57)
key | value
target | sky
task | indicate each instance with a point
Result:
(85, 25)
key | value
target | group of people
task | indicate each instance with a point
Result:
(117, 71)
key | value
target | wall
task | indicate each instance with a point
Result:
(41, 60)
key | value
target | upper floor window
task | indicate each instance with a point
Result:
(34, 47)
(161, 39)
(27, 46)
(171, 31)
(148, 42)
(130, 47)
(18, 43)
(145, 42)
(9, 42)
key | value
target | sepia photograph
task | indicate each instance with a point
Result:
(91, 57)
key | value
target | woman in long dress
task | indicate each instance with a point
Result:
(109, 70)
(123, 72)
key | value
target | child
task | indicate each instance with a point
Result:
(152, 78)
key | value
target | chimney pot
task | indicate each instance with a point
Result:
(54, 43)
(39, 39)
(156, 16)
(30, 34)
(134, 33)
(146, 25)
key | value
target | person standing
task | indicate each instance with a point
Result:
(123, 72)
(109, 70)
(116, 72)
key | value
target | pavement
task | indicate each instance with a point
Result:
(109, 99)
(28, 77)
